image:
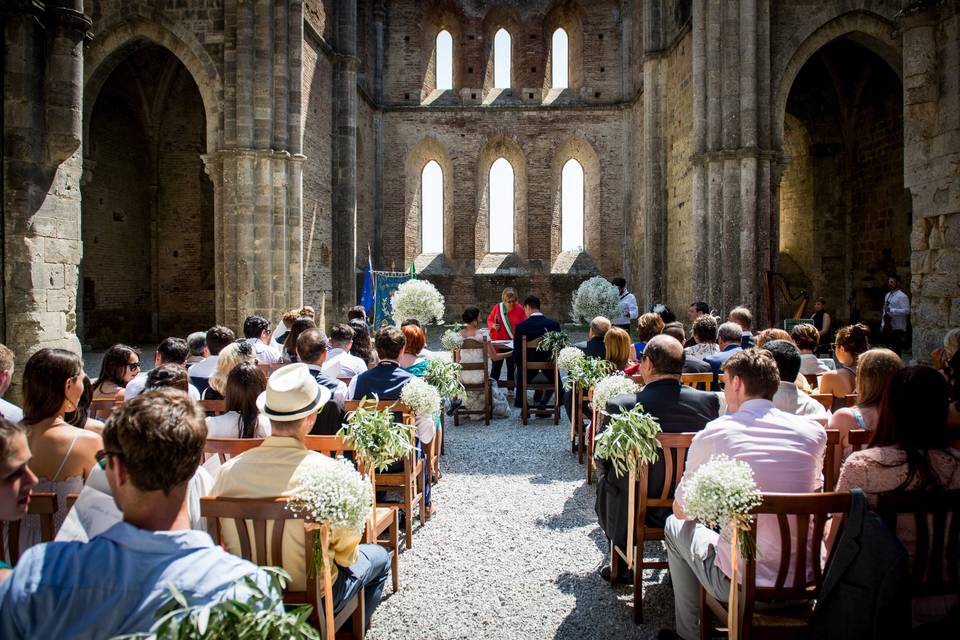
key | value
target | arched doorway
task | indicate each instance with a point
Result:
(148, 213)
(845, 218)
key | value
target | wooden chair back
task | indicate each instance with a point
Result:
(226, 448)
(214, 407)
(935, 566)
(101, 408)
(812, 380)
(482, 387)
(824, 399)
(266, 519)
(345, 380)
(701, 381)
(43, 504)
(549, 366)
(268, 369)
(859, 438)
(831, 460)
(330, 446)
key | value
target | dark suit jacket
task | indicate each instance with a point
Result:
(533, 327)
(330, 418)
(385, 380)
(692, 364)
(747, 341)
(593, 348)
(716, 360)
(679, 409)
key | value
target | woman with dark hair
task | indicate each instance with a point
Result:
(362, 346)
(62, 454)
(242, 419)
(81, 418)
(120, 365)
(910, 451)
(172, 376)
(852, 341)
(299, 325)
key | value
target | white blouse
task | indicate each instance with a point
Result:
(227, 425)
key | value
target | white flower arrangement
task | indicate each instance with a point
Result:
(451, 340)
(422, 398)
(569, 358)
(595, 297)
(334, 494)
(442, 356)
(417, 299)
(610, 387)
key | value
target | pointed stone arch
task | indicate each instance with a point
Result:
(582, 151)
(501, 146)
(424, 151)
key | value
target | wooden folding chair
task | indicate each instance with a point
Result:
(812, 380)
(267, 518)
(481, 387)
(227, 448)
(214, 407)
(859, 438)
(409, 481)
(803, 513)
(674, 456)
(596, 421)
(578, 421)
(831, 460)
(824, 399)
(384, 527)
(701, 381)
(43, 504)
(549, 366)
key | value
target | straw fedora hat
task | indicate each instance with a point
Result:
(292, 393)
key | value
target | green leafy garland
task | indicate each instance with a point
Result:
(629, 441)
(378, 439)
(553, 341)
(588, 372)
(444, 376)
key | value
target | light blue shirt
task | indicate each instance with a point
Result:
(115, 583)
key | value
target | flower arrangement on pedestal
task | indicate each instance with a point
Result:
(419, 300)
(595, 297)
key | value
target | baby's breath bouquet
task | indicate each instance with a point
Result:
(451, 340)
(722, 492)
(595, 297)
(569, 357)
(444, 376)
(589, 371)
(629, 441)
(553, 342)
(422, 398)
(443, 356)
(610, 387)
(377, 437)
(417, 299)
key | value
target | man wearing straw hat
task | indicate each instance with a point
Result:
(291, 401)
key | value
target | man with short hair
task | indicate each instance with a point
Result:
(8, 410)
(170, 351)
(533, 327)
(593, 346)
(704, 337)
(217, 338)
(115, 583)
(696, 310)
(197, 342)
(785, 453)
(789, 398)
(340, 363)
(291, 401)
(691, 364)
(678, 409)
(896, 312)
(629, 311)
(730, 335)
(743, 317)
(312, 349)
(256, 330)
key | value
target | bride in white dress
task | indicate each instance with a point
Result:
(475, 399)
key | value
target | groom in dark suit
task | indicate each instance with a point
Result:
(678, 409)
(533, 327)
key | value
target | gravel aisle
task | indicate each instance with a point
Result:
(513, 549)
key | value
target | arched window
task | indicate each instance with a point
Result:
(444, 61)
(559, 60)
(571, 206)
(501, 207)
(501, 60)
(431, 208)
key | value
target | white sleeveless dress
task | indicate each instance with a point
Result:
(30, 524)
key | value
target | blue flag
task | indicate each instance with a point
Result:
(366, 298)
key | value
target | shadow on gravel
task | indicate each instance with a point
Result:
(599, 612)
(578, 511)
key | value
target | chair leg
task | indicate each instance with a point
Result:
(525, 411)
(423, 504)
(614, 565)
(638, 587)
(705, 616)
(408, 505)
(395, 546)
(358, 618)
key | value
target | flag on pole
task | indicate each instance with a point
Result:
(413, 270)
(366, 298)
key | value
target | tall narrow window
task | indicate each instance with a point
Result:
(501, 207)
(559, 60)
(571, 206)
(431, 208)
(501, 60)
(444, 61)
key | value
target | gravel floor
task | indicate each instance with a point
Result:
(513, 549)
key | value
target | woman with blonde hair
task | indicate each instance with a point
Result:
(616, 343)
(876, 368)
(502, 320)
(230, 357)
(851, 342)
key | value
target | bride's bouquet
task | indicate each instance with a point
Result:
(595, 297)
(419, 300)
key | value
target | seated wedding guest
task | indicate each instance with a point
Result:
(629, 311)
(664, 312)
(910, 451)
(242, 418)
(80, 417)
(877, 367)
(678, 409)
(697, 310)
(649, 325)
(229, 357)
(299, 325)
(16, 478)
(411, 359)
(340, 363)
(170, 351)
(704, 338)
(357, 312)
(948, 360)
(729, 336)
(197, 343)
(788, 397)
(502, 321)
(691, 364)
(617, 349)
(786, 454)
(283, 328)
(115, 583)
(533, 327)
(120, 365)
(806, 337)
(256, 331)
(852, 341)
(769, 335)
(743, 317)
(593, 346)
(312, 347)
(62, 454)
(291, 401)
(306, 311)
(475, 399)
(168, 376)
(217, 338)
(8, 410)
(362, 346)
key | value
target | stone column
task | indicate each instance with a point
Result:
(344, 196)
(652, 264)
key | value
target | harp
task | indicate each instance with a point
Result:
(779, 290)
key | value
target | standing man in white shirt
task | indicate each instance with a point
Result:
(628, 306)
(340, 363)
(256, 330)
(896, 311)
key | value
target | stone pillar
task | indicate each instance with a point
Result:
(344, 197)
(43, 78)
(653, 264)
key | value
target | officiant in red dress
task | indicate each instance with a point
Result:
(503, 318)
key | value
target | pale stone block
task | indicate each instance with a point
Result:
(60, 250)
(61, 301)
(53, 276)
